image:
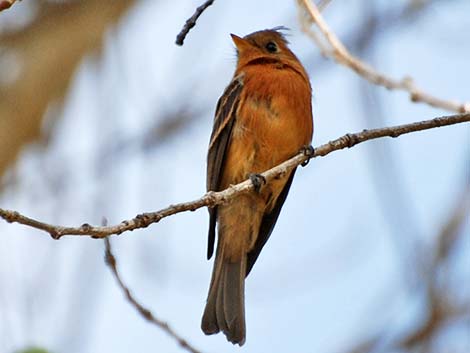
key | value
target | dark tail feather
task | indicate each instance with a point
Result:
(225, 307)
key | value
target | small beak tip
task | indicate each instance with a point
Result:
(238, 41)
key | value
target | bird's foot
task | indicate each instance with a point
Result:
(308, 151)
(257, 180)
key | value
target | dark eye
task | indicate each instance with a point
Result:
(271, 47)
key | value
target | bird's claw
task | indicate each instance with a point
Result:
(308, 151)
(257, 180)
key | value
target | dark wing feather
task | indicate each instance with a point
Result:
(225, 116)
(267, 224)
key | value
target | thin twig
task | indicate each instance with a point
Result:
(146, 313)
(211, 198)
(191, 22)
(339, 53)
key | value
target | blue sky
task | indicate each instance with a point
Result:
(334, 271)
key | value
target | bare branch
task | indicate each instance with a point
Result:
(338, 52)
(146, 313)
(212, 198)
(6, 4)
(191, 22)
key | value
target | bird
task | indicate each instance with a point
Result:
(263, 118)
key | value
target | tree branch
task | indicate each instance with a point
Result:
(332, 47)
(211, 198)
(147, 314)
(191, 22)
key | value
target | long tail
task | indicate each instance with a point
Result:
(225, 307)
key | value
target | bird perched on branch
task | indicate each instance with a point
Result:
(263, 118)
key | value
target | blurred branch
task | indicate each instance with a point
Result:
(332, 47)
(211, 198)
(393, 196)
(144, 312)
(191, 22)
(367, 346)
(59, 37)
(6, 4)
(449, 232)
(441, 309)
(152, 137)
(172, 124)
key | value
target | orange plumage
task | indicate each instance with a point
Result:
(263, 118)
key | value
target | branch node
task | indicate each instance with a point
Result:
(211, 199)
(110, 259)
(141, 217)
(408, 83)
(55, 234)
(415, 96)
(146, 314)
(351, 140)
(86, 227)
(11, 216)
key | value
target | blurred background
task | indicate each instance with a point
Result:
(102, 115)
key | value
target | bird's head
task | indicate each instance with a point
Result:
(268, 43)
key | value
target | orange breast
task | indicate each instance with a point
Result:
(274, 120)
